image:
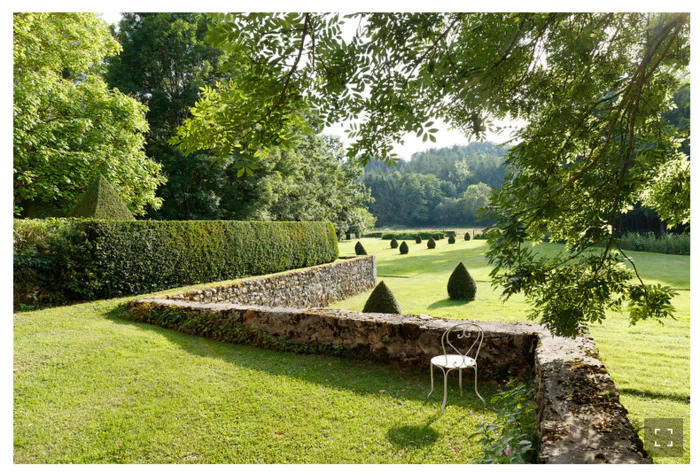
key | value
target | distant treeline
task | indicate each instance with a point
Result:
(445, 186)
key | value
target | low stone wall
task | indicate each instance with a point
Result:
(579, 415)
(403, 340)
(308, 287)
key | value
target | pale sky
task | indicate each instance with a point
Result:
(412, 144)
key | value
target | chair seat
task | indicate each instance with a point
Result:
(453, 361)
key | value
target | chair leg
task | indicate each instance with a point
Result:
(475, 389)
(460, 383)
(444, 398)
(432, 381)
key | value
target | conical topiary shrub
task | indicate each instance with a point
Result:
(461, 284)
(394, 243)
(381, 301)
(403, 248)
(451, 240)
(101, 201)
(359, 249)
(431, 244)
(419, 240)
(467, 236)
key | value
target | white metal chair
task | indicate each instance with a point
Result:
(458, 359)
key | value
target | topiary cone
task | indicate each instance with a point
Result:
(431, 244)
(381, 301)
(100, 200)
(394, 243)
(467, 236)
(461, 284)
(359, 249)
(419, 239)
(451, 240)
(403, 249)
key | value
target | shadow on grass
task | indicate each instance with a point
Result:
(414, 436)
(447, 302)
(429, 262)
(363, 377)
(656, 395)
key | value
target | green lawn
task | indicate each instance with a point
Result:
(650, 362)
(92, 388)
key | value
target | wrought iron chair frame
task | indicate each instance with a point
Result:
(464, 332)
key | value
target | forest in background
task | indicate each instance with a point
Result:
(440, 186)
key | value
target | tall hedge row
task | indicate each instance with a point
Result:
(81, 259)
(413, 235)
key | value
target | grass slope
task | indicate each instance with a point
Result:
(92, 388)
(650, 362)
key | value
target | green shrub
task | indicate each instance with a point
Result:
(451, 240)
(449, 233)
(668, 243)
(372, 235)
(403, 249)
(412, 235)
(431, 244)
(382, 301)
(461, 285)
(359, 249)
(512, 438)
(419, 240)
(100, 200)
(467, 236)
(59, 260)
(394, 244)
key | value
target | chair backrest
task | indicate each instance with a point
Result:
(461, 331)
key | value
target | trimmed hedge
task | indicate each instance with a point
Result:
(467, 236)
(431, 244)
(100, 200)
(461, 285)
(413, 235)
(59, 260)
(359, 249)
(403, 249)
(381, 301)
(451, 240)
(372, 235)
(394, 244)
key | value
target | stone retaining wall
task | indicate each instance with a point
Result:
(403, 340)
(579, 415)
(308, 287)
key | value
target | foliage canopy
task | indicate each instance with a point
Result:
(592, 87)
(68, 125)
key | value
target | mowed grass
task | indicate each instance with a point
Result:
(649, 362)
(90, 387)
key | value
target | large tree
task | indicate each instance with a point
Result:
(164, 63)
(68, 126)
(592, 88)
(313, 180)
